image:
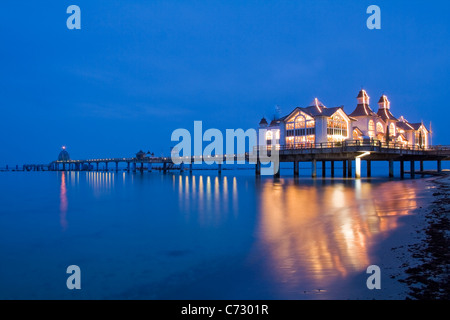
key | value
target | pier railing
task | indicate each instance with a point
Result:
(350, 144)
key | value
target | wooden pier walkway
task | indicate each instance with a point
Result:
(347, 152)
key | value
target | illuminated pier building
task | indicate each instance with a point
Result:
(316, 124)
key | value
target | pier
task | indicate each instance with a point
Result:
(349, 154)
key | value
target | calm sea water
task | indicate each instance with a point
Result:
(200, 236)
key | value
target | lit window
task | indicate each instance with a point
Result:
(337, 127)
(392, 129)
(380, 128)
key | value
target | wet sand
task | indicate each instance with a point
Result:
(414, 260)
(427, 276)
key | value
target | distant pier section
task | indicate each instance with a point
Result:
(348, 155)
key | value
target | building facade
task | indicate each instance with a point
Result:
(317, 125)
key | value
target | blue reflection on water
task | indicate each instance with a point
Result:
(201, 236)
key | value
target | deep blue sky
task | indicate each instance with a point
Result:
(137, 70)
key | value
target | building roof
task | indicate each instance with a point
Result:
(385, 114)
(263, 121)
(314, 111)
(362, 93)
(416, 126)
(274, 122)
(63, 155)
(404, 125)
(316, 104)
(401, 135)
(362, 110)
(384, 99)
(358, 129)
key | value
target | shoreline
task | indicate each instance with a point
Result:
(428, 276)
(416, 258)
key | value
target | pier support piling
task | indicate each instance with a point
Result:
(314, 168)
(324, 168)
(369, 168)
(276, 169)
(344, 168)
(402, 169)
(296, 168)
(412, 170)
(349, 167)
(421, 166)
(439, 166)
(258, 168)
(332, 169)
(391, 168)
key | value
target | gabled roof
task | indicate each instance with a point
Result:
(324, 111)
(314, 111)
(263, 121)
(330, 111)
(356, 128)
(404, 125)
(402, 136)
(416, 126)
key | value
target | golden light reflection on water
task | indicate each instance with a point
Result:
(209, 197)
(63, 203)
(101, 181)
(327, 231)
(320, 231)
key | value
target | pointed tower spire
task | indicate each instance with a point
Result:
(384, 102)
(363, 97)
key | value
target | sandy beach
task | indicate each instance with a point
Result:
(427, 276)
(417, 259)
